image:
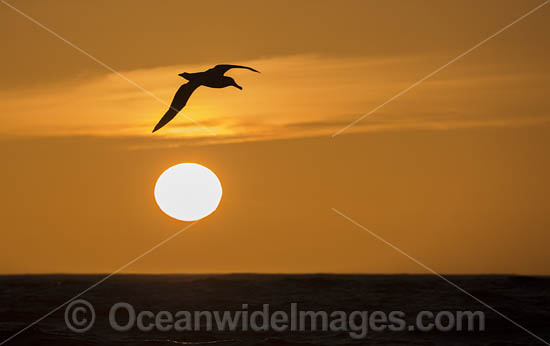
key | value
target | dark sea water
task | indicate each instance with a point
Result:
(526, 300)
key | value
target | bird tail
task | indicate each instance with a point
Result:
(186, 76)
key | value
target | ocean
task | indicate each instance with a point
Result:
(347, 309)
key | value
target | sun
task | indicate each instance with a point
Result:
(188, 191)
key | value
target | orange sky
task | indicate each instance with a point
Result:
(454, 172)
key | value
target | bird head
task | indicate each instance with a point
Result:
(238, 86)
(233, 83)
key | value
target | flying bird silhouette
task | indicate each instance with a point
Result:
(212, 78)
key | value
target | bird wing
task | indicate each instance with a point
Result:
(224, 68)
(179, 101)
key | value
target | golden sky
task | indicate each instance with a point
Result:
(454, 172)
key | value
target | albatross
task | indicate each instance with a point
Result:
(212, 78)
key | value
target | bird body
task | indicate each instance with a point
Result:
(212, 78)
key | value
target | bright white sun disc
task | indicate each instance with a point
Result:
(188, 191)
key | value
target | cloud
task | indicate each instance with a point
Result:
(295, 96)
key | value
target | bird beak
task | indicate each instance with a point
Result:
(238, 87)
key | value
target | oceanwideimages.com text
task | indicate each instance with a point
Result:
(124, 317)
